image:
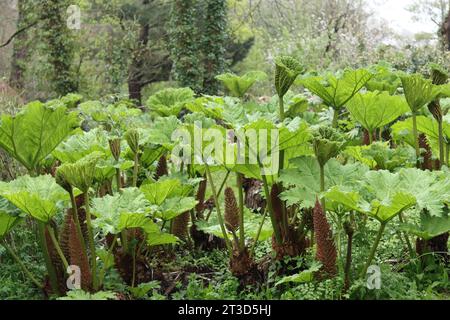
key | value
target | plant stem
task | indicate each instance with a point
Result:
(370, 137)
(239, 178)
(281, 106)
(416, 138)
(408, 242)
(219, 214)
(276, 230)
(258, 233)
(441, 144)
(220, 191)
(118, 180)
(22, 265)
(135, 169)
(110, 251)
(335, 122)
(91, 241)
(348, 261)
(57, 247)
(373, 250)
(48, 262)
(322, 184)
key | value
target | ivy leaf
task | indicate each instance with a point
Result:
(36, 196)
(375, 110)
(336, 92)
(31, 135)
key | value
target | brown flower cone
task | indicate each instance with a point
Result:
(231, 211)
(326, 250)
(427, 163)
(200, 197)
(161, 168)
(65, 232)
(78, 257)
(180, 225)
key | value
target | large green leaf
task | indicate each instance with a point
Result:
(239, 85)
(429, 227)
(383, 210)
(36, 196)
(305, 179)
(82, 144)
(159, 191)
(375, 110)
(9, 217)
(125, 210)
(337, 91)
(380, 155)
(431, 189)
(418, 91)
(403, 131)
(170, 101)
(31, 135)
(175, 206)
(81, 173)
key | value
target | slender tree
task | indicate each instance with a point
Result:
(59, 44)
(214, 44)
(185, 44)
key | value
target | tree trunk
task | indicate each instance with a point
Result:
(20, 50)
(135, 74)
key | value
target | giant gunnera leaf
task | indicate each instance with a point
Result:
(239, 85)
(31, 135)
(337, 91)
(9, 217)
(376, 195)
(376, 109)
(170, 101)
(418, 91)
(37, 196)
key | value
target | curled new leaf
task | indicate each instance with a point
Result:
(327, 143)
(81, 173)
(132, 137)
(287, 69)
